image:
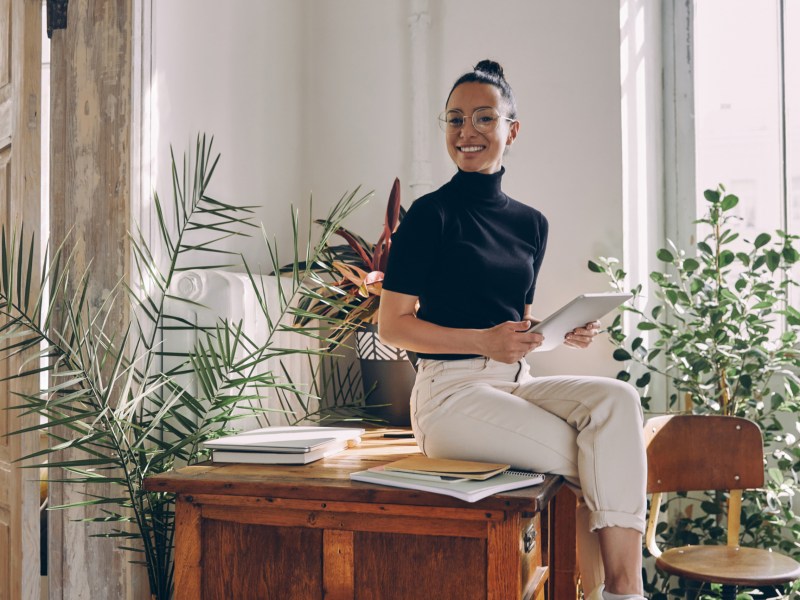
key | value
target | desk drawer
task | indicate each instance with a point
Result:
(531, 552)
(351, 555)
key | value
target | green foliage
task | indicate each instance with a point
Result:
(354, 272)
(720, 329)
(113, 412)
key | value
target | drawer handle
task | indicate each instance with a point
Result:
(529, 539)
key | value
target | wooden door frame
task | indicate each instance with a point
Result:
(90, 192)
(23, 206)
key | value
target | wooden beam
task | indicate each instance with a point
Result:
(563, 582)
(188, 550)
(90, 205)
(20, 151)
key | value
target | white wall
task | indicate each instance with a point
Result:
(235, 71)
(358, 103)
(337, 73)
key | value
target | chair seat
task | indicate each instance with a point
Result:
(729, 565)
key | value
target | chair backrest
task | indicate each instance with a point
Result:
(703, 452)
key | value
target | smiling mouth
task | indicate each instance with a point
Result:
(470, 149)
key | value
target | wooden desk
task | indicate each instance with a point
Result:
(307, 532)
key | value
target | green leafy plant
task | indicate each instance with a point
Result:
(353, 273)
(722, 332)
(114, 414)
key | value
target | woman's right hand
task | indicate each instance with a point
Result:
(510, 341)
(399, 326)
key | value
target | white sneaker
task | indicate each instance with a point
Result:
(601, 594)
(597, 593)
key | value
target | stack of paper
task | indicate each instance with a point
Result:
(283, 445)
(467, 480)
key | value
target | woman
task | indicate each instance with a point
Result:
(458, 291)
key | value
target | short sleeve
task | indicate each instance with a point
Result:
(540, 243)
(415, 243)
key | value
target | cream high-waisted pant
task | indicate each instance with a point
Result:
(588, 429)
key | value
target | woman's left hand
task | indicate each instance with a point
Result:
(581, 337)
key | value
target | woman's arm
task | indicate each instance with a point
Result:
(399, 326)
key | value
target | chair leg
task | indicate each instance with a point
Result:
(728, 592)
(692, 588)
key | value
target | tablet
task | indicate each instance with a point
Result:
(576, 313)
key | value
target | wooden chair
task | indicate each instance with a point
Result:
(706, 452)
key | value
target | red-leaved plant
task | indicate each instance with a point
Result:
(357, 269)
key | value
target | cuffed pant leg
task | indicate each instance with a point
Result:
(607, 416)
(492, 425)
(590, 561)
(588, 429)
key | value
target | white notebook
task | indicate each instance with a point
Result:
(289, 439)
(280, 458)
(469, 490)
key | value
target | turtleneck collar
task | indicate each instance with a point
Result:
(478, 186)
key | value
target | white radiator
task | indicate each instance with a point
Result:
(226, 295)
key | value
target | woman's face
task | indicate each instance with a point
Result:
(472, 150)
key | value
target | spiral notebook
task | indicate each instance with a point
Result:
(470, 490)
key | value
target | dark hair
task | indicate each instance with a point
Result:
(488, 71)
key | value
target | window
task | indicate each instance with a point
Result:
(731, 74)
(746, 84)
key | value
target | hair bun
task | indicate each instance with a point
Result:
(490, 68)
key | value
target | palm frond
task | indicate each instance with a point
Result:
(113, 411)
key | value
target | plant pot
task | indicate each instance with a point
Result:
(387, 375)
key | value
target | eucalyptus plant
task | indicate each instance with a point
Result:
(723, 331)
(113, 412)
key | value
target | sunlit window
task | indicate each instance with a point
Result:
(747, 108)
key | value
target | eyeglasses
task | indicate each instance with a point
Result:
(484, 120)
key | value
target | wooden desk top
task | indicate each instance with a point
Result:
(329, 479)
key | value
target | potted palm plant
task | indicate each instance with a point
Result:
(354, 277)
(113, 412)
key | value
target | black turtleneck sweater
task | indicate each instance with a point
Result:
(470, 253)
